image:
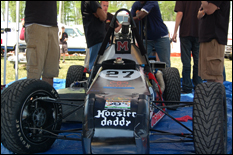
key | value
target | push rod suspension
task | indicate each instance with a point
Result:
(172, 118)
(63, 137)
(65, 116)
(187, 135)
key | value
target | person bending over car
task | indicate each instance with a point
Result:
(104, 6)
(93, 18)
(157, 32)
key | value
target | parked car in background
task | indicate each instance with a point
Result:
(228, 51)
(11, 41)
(11, 37)
(79, 29)
(75, 43)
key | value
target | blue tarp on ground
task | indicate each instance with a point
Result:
(166, 124)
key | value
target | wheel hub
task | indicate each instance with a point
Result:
(39, 117)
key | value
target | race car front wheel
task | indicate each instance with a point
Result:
(210, 119)
(27, 122)
(74, 73)
(171, 77)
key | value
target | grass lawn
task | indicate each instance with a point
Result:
(79, 60)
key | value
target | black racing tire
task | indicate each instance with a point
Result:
(5, 93)
(21, 115)
(210, 119)
(74, 73)
(171, 78)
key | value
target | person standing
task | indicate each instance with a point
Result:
(63, 36)
(187, 20)
(42, 40)
(157, 32)
(104, 5)
(93, 18)
(213, 30)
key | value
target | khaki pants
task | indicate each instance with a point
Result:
(42, 51)
(211, 60)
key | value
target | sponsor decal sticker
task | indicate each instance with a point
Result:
(156, 118)
(117, 105)
(123, 46)
(118, 85)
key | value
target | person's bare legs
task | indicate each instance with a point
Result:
(49, 80)
(64, 57)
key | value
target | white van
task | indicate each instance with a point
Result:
(11, 41)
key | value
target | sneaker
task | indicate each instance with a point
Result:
(63, 61)
(59, 67)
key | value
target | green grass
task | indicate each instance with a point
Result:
(79, 60)
(22, 72)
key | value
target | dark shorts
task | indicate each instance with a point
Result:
(63, 48)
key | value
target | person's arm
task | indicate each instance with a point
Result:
(200, 13)
(145, 10)
(100, 14)
(179, 16)
(60, 35)
(140, 15)
(117, 29)
(65, 39)
(209, 8)
(135, 8)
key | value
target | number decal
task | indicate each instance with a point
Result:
(120, 75)
(130, 73)
(112, 73)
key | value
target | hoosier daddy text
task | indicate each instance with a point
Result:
(120, 117)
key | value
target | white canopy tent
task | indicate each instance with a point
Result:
(6, 38)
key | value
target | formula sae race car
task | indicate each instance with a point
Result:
(124, 97)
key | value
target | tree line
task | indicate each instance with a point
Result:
(71, 10)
